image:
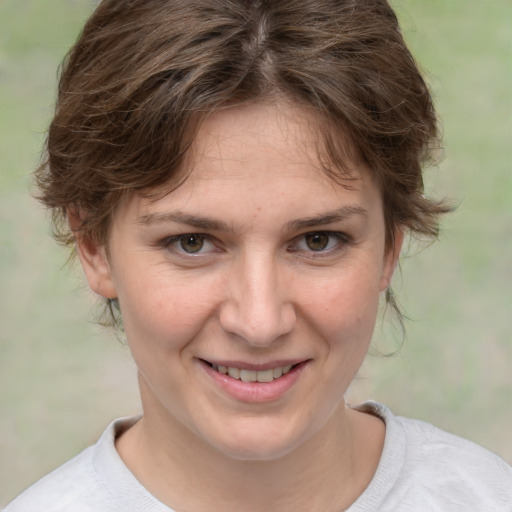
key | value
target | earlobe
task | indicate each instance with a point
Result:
(391, 259)
(94, 260)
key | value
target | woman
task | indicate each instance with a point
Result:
(237, 178)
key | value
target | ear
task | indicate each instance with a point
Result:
(93, 258)
(391, 259)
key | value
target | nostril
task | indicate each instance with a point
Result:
(259, 318)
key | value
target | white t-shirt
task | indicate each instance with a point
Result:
(421, 469)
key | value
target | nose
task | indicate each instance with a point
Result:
(258, 308)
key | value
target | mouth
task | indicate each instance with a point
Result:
(250, 375)
(250, 382)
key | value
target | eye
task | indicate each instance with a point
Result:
(191, 243)
(317, 241)
(320, 241)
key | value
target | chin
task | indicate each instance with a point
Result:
(258, 442)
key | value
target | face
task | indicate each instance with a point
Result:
(249, 294)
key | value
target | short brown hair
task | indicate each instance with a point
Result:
(143, 74)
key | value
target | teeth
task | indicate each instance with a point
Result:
(265, 376)
(252, 375)
(248, 375)
(234, 372)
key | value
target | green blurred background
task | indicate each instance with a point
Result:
(63, 378)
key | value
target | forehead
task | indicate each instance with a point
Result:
(257, 134)
(256, 158)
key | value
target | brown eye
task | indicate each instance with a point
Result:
(317, 241)
(192, 243)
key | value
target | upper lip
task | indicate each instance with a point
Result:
(244, 365)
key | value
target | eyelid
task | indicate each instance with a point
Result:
(171, 243)
(342, 241)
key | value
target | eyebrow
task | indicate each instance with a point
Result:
(178, 217)
(212, 224)
(338, 215)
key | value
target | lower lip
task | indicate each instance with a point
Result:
(255, 392)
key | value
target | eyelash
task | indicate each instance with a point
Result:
(340, 241)
(173, 241)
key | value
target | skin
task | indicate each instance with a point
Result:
(290, 268)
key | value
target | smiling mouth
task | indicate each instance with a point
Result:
(252, 375)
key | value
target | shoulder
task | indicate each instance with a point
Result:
(426, 467)
(61, 489)
(441, 452)
(83, 484)
(457, 469)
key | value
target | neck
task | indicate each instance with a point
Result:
(326, 472)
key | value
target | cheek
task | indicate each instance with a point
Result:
(344, 315)
(348, 302)
(165, 310)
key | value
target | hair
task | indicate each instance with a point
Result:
(144, 73)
